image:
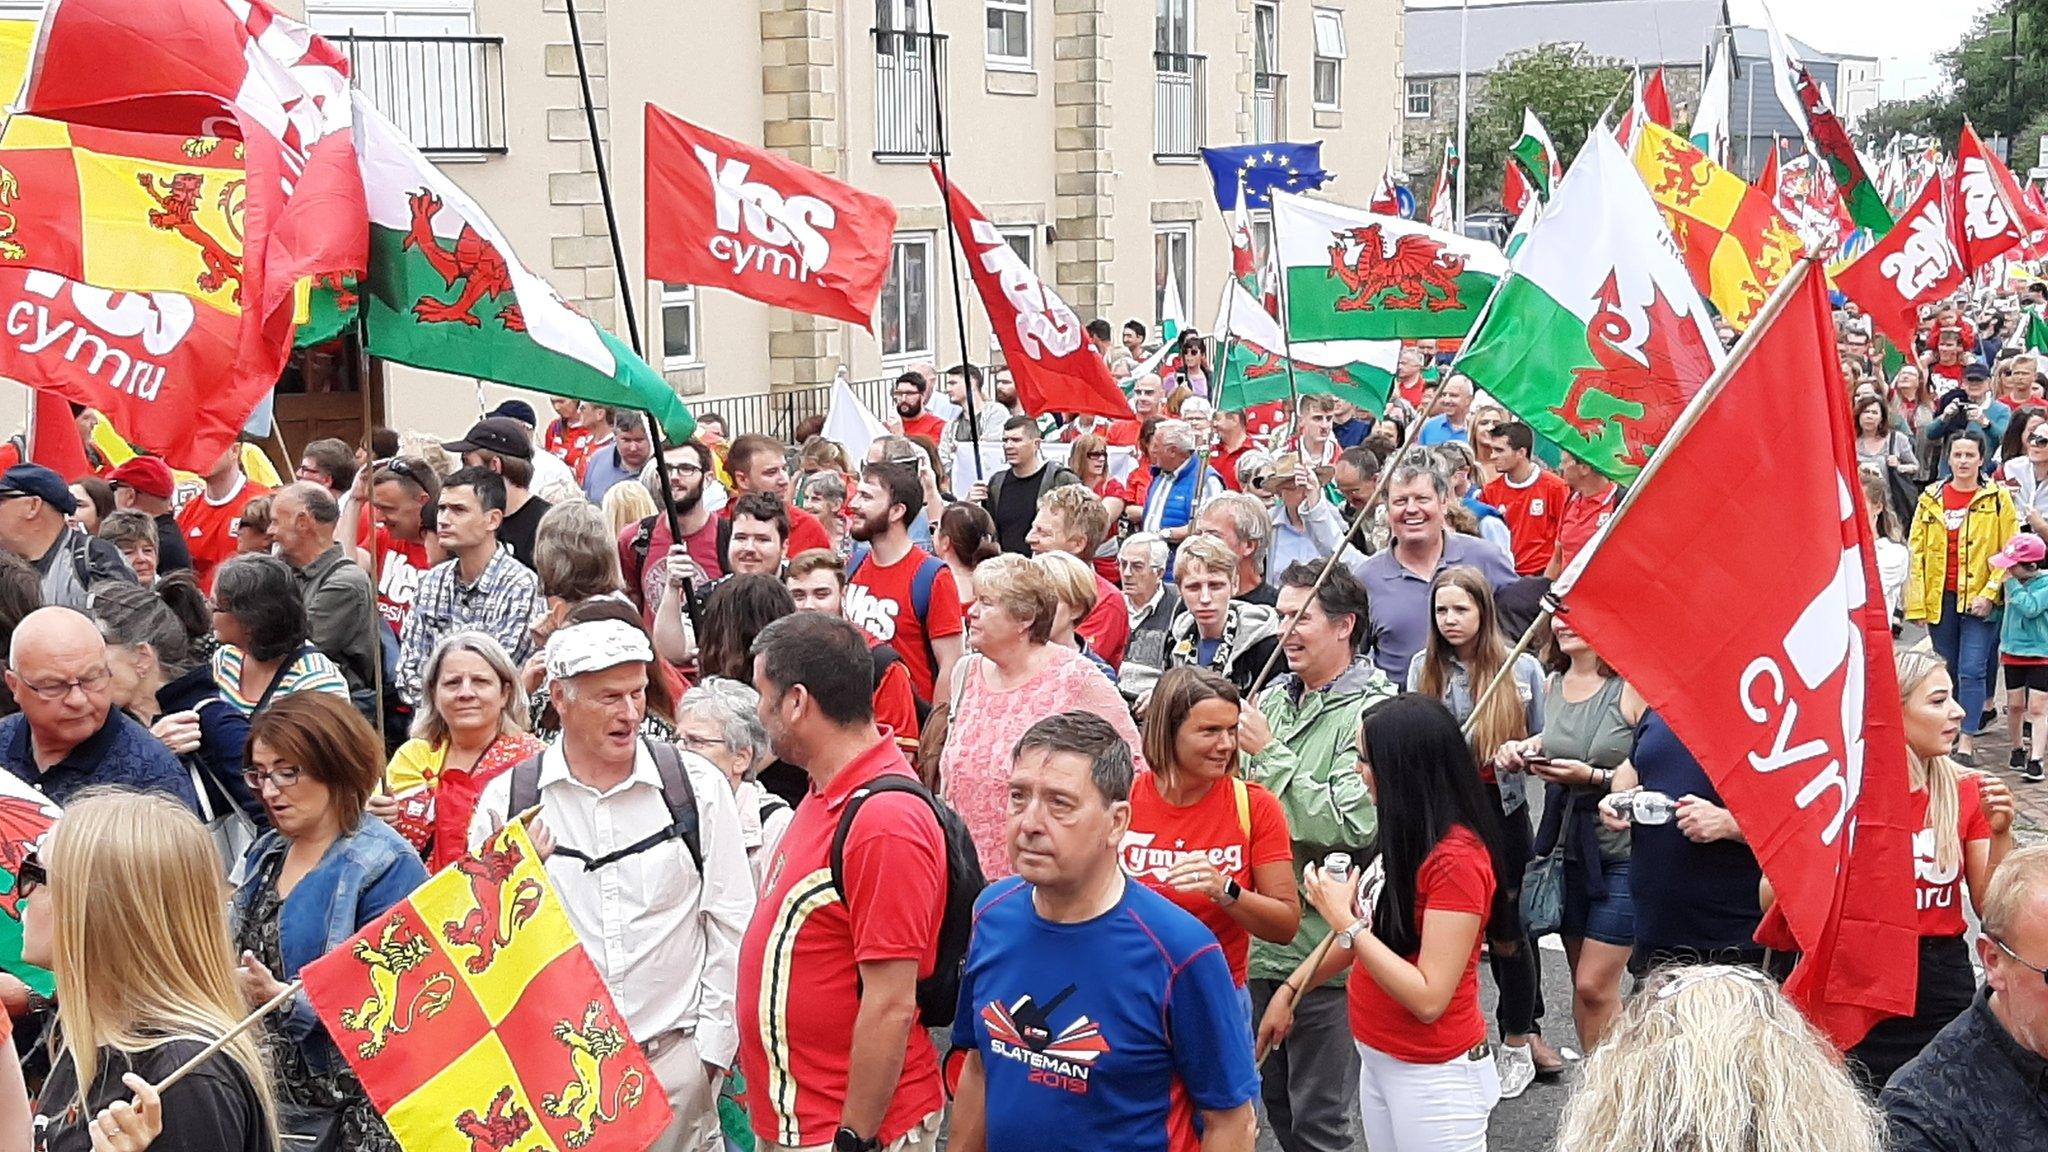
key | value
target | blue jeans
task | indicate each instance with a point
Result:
(1967, 645)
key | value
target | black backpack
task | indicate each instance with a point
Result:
(938, 995)
(676, 791)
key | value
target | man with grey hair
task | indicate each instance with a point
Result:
(630, 449)
(1054, 953)
(1240, 520)
(1397, 578)
(339, 600)
(643, 842)
(1150, 600)
(1182, 482)
(720, 720)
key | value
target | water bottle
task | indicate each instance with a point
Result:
(1337, 866)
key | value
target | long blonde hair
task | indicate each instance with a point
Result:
(1505, 717)
(1937, 774)
(1715, 1059)
(139, 939)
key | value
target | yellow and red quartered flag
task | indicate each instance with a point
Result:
(1735, 242)
(475, 1019)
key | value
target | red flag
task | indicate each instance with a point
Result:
(1514, 190)
(1991, 215)
(1657, 101)
(232, 68)
(1915, 263)
(1791, 703)
(149, 361)
(53, 439)
(1768, 180)
(1387, 199)
(1044, 345)
(729, 215)
(2037, 210)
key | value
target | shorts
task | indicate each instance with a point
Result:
(1608, 917)
(2034, 676)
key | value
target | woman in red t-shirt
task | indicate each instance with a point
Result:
(1965, 831)
(1426, 1078)
(1207, 839)
(1090, 461)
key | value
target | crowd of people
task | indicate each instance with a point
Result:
(1183, 770)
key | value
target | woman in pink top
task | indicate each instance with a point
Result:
(1013, 679)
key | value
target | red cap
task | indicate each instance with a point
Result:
(147, 475)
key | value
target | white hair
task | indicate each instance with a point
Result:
(1175, 434)
(1151, 546)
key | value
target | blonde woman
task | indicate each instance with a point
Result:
(1074, 583)
(627, 504)
(1715, 1059)
(125, 905)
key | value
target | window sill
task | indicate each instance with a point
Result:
(1009, 79)
(1329, 118)
(1410, 115)
(1175, 158)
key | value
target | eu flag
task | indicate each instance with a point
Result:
(1260, 168)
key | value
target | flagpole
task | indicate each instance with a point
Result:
(377, 625)
(627, 290)
(952, 240)
(213, 1049)
(1464, 22)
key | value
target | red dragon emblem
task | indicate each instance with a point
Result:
(345, 298)
(500, 909)
(177, 210)
(500, 1126)
(1684, 174)
(1268, 365)
(1672, 364)
(472, 263)
(1417, 265)
(22, 823)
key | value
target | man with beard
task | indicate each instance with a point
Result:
(1006, 392)
(902, 595)
(908, 393)
(648, 549)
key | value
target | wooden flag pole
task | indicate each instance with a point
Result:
(213, 1049)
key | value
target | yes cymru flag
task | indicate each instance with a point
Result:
(1353, 275)
(1734, 241)
(475, 1019)
(1597, 339)
(1919, 262)
(445, 291)
(1994, 216)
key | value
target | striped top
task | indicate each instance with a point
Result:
(309, 671)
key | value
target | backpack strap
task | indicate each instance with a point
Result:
(724, 531)
(1243, 796)
(927, 575)
(770, 805)
(886, 782)
(525, 786)
(681, 797)
(642, 543)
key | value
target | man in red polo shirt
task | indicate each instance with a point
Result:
(759, 463)
(1591, 504)
(1148, 401)
(827, 978)
(1530, 498)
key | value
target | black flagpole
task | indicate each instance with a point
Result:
(952, 236)
(626, 293)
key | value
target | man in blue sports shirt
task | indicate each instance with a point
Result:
(1094, 1013)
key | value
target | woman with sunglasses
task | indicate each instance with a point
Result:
(2025, 471)
(1090, 462)
(317, 877)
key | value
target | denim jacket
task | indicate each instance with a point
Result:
(362, 875)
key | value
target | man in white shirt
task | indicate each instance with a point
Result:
(643, 842)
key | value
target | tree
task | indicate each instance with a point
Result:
(1997, 93)
(1566, 86)
(1935, 114)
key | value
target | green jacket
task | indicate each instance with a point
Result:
(1311, 766)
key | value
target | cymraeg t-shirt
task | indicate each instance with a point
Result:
(400, 566)
(1161, 834)
(1456, 876)
(1108, 1034)
(1534, 512)
(878, 598)
(215, 1109)
(1939, 892)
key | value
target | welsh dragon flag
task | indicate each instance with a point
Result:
(446, 292)
(1354, 275)
(1254, 373)
(1598, 338)
(1536, 157)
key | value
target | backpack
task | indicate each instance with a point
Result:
(938, 995)
(676, 791)
(643, 542)
(928, 570)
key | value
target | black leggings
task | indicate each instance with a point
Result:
(1510, 953)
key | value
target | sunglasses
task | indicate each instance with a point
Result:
(2038, 441)
(30, 875)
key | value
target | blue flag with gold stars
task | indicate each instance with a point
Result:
(1260, 168)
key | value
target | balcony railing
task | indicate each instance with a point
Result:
(446, 93)
(1269, 107)
(906, 105)
(1179, 109)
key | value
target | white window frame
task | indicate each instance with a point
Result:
(1005, 61)
(902, 243)
(1425, 90)
(1183, 267)
(1262, 236)
(666, 297)
(1165, 14)
(1331, 52)
(1027, 251)
(1271, 47)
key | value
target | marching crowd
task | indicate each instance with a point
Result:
(1185, 769)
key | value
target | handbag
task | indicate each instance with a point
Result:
(304, 1128)
(1543, 886)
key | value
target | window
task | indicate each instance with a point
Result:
(1018, 237)
(1173, 250)
(1009, 33)
(678, 326)
(907, 299)
(421, 64)
(1262, 238)
(1420, 98)
(1265, 37)
(1330, 54)
(1175, 27)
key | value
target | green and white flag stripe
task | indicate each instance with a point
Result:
(1356, 275)
(1535, 155)
(1256, 371)
(446, 292)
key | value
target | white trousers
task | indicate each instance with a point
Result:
(692, 1094)
(1425, 1107)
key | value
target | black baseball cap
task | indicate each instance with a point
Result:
(36, 480)
(518, 410)
(500, 434)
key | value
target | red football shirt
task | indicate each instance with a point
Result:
(924, 424)
(400, 566)
(1107, 627)
(1583, 516)
(209, 528)
(570, 443)
(799, 985)
(1161, 834)
(896, 707)
(1456, 876)
(1940, 892)
(878, 598)
(1534, 512)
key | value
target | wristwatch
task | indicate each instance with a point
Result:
(1349, 935)
(847, 1140)
(1231, 891)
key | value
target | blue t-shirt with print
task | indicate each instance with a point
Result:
(1111, 1033)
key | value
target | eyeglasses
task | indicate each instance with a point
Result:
(2002, 947)
(700, 743)
(282, 777)
(686, 470)
(89, 683)
(30, 875)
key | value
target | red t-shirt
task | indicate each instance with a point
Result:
(1583, 516)
(896, 706)
(569, 442)
(924, 424)
(1534, 512)
(1160, 834)
(805, 533)
(878, 598)
(1123, 433)
(799, 984)
(209, 528)
(1955, 509)
(1952, 374)
(1457, 876)
(400, 566)
(1107, 627)
(1940, 894)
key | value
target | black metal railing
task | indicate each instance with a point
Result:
(446, 93)
(906, 106)
(1269, 107)
(1179, 106)
(777, 414)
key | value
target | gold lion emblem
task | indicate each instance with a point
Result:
(583, 1099)
(398, 951)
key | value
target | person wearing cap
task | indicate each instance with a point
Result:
(145, 484)
(208, 520)
(1306, 526)
(643, 842)
(553, 480)
(518, 410)
(35, 504)
(1969, 404)
(500, 444)
(2023, 645)
(480, 587)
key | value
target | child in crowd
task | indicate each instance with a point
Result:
(2023, 644)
